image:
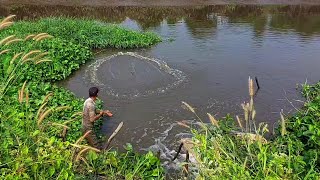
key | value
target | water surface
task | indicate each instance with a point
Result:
(216, 48)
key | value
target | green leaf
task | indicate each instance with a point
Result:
(51, 170)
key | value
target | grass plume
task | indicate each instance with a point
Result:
(5, 40)
(80, 153)
(283, 124)
(8, 19)
(82, 137)
(190, 108)
(43, 116)
(213, 120)
(13, 41)
(183, 125)
(42, 61)
(21, 92)
(26, 56)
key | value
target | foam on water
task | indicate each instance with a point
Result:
(166, 153)
(162, 67)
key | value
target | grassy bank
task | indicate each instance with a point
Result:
(236, 148)
(40, 123)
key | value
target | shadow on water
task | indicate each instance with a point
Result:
(217, 47)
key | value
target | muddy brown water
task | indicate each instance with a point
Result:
(205, 59)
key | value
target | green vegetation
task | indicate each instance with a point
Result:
(40, 123)
(89, 33)
(32, 145)
(70, 45)
(223, 150)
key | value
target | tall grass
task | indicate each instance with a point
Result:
(224, 151)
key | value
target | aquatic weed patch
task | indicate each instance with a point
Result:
(40, 123)
(64, 57)
(70, 46)
(92, 34)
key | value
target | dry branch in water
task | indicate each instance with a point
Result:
(113, 135)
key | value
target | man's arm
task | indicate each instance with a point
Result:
(96, 117)
(102, 111)
(92, 114)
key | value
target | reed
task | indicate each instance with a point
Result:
(62, 108)
(213, 120)
(15, 57)
(28, 37)
(85, 146)
(5, 25)
(190, 108)
(12, 41)
(283, 124)
(39, 35)
(5, 40)
(43, 116)
(8, 19)
(225, 153)
(22, 91)
(61, 125)
(239, 122)
(46, 98)
(80, 153)
(251, 88)
(26, 56)
(42, 61)
(40, 56)
(27, 97)
(183, 125)
(43, 37)
(4, 51)
(82, 137)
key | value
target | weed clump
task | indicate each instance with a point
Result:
(67, 42)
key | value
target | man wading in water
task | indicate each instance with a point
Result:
(90, 115)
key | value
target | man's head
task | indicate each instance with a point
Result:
(93, 92)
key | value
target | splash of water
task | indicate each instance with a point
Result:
(166, 153)
(161, 66)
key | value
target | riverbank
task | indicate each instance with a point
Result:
(105, 3)
(292, 154)
(236, 147)
(40, 125)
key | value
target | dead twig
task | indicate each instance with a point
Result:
(113, 135)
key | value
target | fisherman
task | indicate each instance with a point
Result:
(90, 115)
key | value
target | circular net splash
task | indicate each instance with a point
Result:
(130, 75)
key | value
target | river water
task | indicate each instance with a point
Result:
(205, 59)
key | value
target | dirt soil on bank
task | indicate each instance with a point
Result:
(154, 2)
